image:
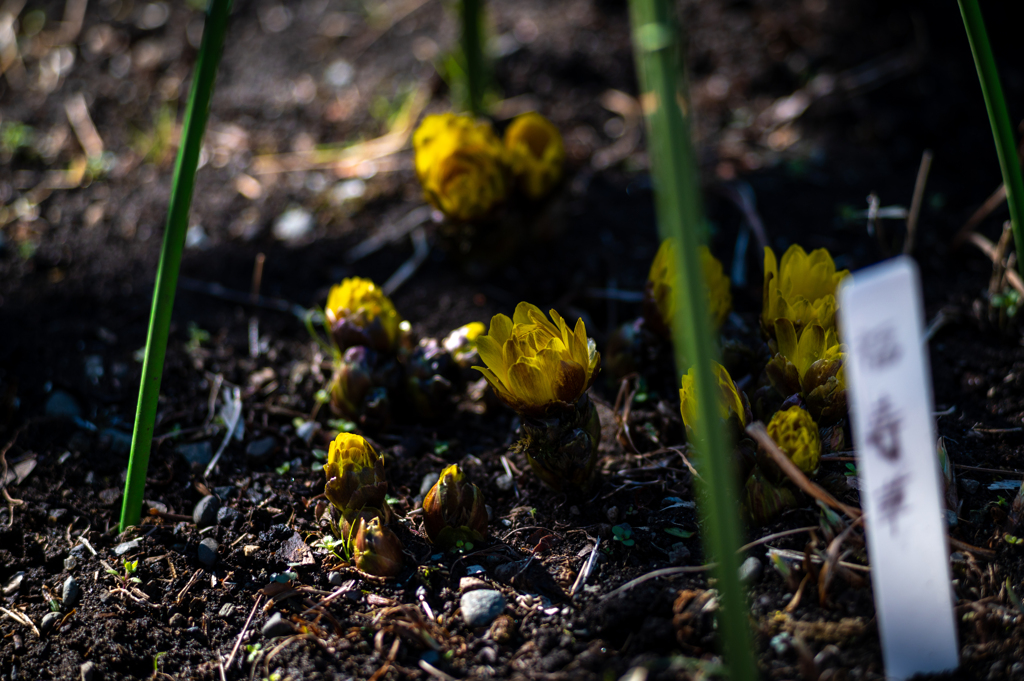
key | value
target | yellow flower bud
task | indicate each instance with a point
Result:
(659, 298)
(730, 400)
(360, 314)
(796, 433)
(453, 510)
(536, 153)
(537, 367)
(812, 365)
(460, 163)
(800, 288)
(376, 550)
(461, 343)
(355, 475)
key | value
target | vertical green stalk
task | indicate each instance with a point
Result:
(182, 184)
(999, 117)
(677, 202)
(473, 55)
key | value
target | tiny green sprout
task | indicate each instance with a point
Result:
(1013, 539)
(641, 395)
(196, 337)
(54, 605)
(851, 470)
(341, 425)
(322, 396)
(462, 547)
(284, 468)
(624, 534)
(1009, 300)
(1002, 502)
(156, 662)
(252, 651)
(676, 532)
(131, 566)
(441, 447)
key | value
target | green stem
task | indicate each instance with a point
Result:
(182, 185)
(472, 53)
(999, 117)
(677, 202)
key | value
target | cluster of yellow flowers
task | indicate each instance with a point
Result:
(359, 313)
(466, 171)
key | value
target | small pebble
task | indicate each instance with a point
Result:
(197, 634)
(250, 549)
(278, 626)
(227, 515)
(969, 486)
(71, 593)
(198, 454)
(750, 571)
(61, 403)
(481, 607)
(226, 610)
(87, 671)
(57, 514)
(50, 620)
(472, 583)
(262, 448)
(127, 546)
(336, 578)
(208, 551)
(678, 553)
(178, 621)
(157, 506)
(205, 513)
(293, 225)
(224, 491)
(503, 629)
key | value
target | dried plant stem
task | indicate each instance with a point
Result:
(182, 185)
(999, 117)
(666, 104)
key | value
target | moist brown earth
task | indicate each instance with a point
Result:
(883, 81)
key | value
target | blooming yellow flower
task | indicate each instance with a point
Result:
(536, 153)
(800, 288)
(730, 399)
(360, 314)
(535, 366)
(662, 276)
(796, 433)
(355, 475)
(460, 163)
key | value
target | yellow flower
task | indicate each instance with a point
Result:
(730, 399)
(461, 343)
(355, 475)
(662, 276)
(535, 366)
(360, 314)
(801, 288)
(796, 433)
(536, 153)
(790, 371)
(460, 163)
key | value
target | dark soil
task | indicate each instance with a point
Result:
(77, 260)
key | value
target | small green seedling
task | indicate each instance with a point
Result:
(252, 651)
(129, 576)
(1013, 540)
(623, 534)
(196, 337)
(851, 470)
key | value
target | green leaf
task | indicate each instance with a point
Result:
(678, 532)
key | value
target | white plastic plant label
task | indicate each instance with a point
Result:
(890, 397)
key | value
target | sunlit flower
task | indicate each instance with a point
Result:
(800, 288)
(355, 475)
(731, 402)
(376, 550)
(460, 163)
(537, 367)
(453, 510)
(360, 314)
(461, 343)
(796, 433)
(662, 277)
(536, 153)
